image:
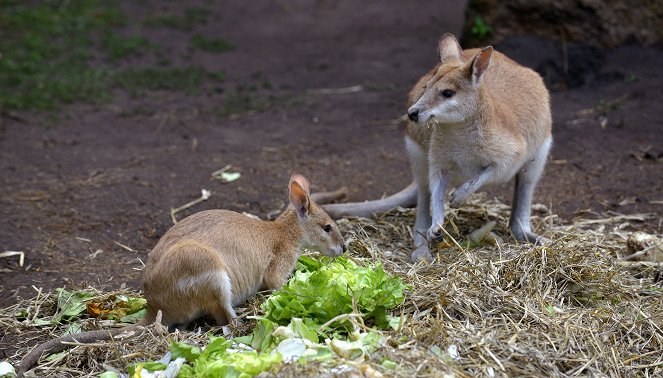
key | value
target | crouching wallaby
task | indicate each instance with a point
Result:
(477, 118)
(213, 260)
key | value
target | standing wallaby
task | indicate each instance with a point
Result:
(213, 260)
(477, 118)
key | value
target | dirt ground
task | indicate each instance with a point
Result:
(80, 186)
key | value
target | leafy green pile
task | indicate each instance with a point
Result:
(222, 358)
(291, 328)
(72, 305)
(321, 290)
(118, 307)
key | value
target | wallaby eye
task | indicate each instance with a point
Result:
(447, 93)
(327, 228)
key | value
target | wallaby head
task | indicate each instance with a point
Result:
(452, 92)
(319, 231)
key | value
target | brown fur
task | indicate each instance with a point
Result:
(528, 100)
(493, 124)
(184, 274)
(477, 118)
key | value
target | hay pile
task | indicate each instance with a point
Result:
(572, 308)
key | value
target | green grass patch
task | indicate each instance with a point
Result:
(480, 29)
(45, 50)
(186, 79)
(255, 95)
(164, 20)
(192, 17)
(196, 16)
(51, 54)
(216, 45)
(241, 100)
(51, 86)
(119, 47)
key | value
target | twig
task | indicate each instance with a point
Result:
(333, 91)
(124, 246)
(452, 239)
(206, 194)
(21, 256)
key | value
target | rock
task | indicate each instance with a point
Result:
(644, 247)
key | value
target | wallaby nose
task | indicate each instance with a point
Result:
(344, 247)
(413, 115)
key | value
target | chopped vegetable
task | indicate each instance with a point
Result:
(123, 308)
(320, 290)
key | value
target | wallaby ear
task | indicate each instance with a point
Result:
(448, 48)
(299, 198)
(480, 64)
(302, 181)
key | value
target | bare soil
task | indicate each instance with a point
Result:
(81, 184)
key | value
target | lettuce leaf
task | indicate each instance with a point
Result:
(323, 289)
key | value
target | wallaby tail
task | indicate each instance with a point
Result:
(405, 198)
(64, 342)
(327, 197)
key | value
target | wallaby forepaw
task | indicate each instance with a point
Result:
(435, 234)
(458, 198)
(421, 253)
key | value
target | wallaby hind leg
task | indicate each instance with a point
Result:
(422, 222)
(438, 189)
(525, 182)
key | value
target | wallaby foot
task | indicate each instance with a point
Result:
(529, 237)
(178, 327)
(232, 327)
(421, 253)
(236, 322)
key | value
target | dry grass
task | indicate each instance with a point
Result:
(572, 308)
